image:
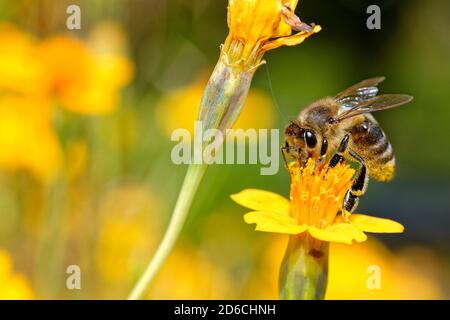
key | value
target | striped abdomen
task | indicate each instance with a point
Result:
(371, 143)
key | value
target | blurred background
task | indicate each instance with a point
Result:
(85, 172)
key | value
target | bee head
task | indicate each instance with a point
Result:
(299, 137)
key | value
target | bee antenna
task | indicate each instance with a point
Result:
(294, 123)
(280, 112)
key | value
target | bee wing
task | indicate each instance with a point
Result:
(358, 89)
(385, 101)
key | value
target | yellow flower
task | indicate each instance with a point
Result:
(129, 229)
(12, 285)
(20, 69)
(401, 276)
(172, 114)
(189, 274)
(27, 138)
(82, 76)
(81, 79)
(316, 198)
(258, 26)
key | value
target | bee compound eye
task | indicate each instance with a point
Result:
(310, 138)
(364, 127)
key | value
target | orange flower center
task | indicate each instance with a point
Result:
(317, 193)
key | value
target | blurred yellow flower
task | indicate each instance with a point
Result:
(129, 229)
(258, 26)
(20, 68)
(401, 277)
(85, 77)
(316, 198)
(27, 138)
(178, 109)
(12, 285)
(82, 76)
(190, 275)
(83, 81)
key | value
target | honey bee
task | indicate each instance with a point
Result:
(340, 128)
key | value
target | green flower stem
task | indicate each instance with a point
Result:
(304, 270)
(225, 94)
(222, 102)
(190, 185)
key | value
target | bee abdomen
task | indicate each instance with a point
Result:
(382, 161)
(382, 151)
(387, 155)
(374, 146)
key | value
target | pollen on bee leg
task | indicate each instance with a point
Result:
(346, 215)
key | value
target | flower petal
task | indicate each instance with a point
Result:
(274, 222)
(340, 232)
(284, 29)
(290, 40)
(374, 224)
(260, 200)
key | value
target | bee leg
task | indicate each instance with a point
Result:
(285, 151)
(358, 188)
(323, 153)
(323, 148)
(338, 156)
